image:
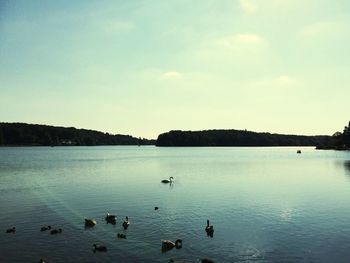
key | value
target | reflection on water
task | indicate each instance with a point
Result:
(266, 204)
(347, 166)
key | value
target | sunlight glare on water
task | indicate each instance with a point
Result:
(266, 204)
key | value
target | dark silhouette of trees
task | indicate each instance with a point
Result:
(1, 136)
(346, 135)
(34, 134)
(236, 138)
(339, 141)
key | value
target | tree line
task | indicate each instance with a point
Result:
(339, 140)
(23, 134)
(236, 138)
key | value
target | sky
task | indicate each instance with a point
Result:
(149, 66)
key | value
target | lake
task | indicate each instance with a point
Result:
(266, 204)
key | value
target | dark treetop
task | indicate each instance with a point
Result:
(18, 134)
(339, 140)
(236, 138)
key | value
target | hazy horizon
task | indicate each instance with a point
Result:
(146, 67)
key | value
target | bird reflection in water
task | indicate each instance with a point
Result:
(347, 166)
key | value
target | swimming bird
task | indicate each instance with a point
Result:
(111, 218)
(121, 236)
(11, 230)
(99, 248)
(90, 222)
(173, 261)
(156, 208)
(209, 228)
(56, 231)
(167, 244)
(298, 151)
(206, 260)
(126, 222)
(167, 181)
(45, 228)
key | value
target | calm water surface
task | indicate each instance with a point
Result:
(266, 204)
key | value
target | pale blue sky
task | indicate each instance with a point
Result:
(146, 67)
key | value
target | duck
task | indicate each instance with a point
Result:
(298, 151)
(121, 236)
(11, 230)
(99, 248)
(56, 231)
(167, 181)
(45, 228)
(168, 244)
(156, 208)
(173, 261)
(126, 222)
(209, 228)
(111, 218)
(90, 222)
(206, 260)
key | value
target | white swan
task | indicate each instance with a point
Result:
(167, 181)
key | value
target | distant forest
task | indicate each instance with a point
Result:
(22, 134)
(339, 141)
(237, 138)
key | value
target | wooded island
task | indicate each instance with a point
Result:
(237, 138)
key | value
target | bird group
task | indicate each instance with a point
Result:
(42, 229)
(166, 244)
(112, 219)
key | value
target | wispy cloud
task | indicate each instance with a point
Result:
(323, 41)
(117, 26)
(323, 29)
(248, 6)
(273, 83)
(246, 52)
(241, 40)
(172, 75)
(249, 38)
(285, 81)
